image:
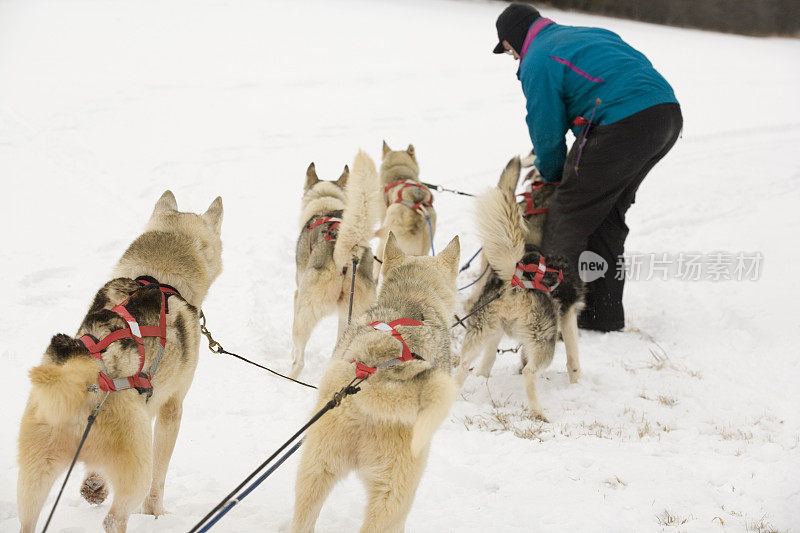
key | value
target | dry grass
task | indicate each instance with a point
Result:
(761, 526)
(729, 433)
(506, 416)
(668, 519)
(668, 401)
(661, 361)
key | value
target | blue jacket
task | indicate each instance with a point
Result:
(564, 70)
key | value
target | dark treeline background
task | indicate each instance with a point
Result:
(750, 17)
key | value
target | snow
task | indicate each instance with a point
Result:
(685, 420)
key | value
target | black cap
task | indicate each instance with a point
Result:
(513, 25)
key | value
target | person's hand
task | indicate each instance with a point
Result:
(528, 160)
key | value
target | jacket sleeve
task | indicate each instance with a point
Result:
(547, 119)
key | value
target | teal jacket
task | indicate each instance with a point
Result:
(572, 74)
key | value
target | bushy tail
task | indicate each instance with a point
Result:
(501, 227)
(59, 391)
(362, 210)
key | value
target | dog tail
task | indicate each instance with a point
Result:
(501, 227)
(362, 209)
(60, 390)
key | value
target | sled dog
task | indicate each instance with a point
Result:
(384, 431)
(534, 306)
(337, 220)
(407, 203)
(181, 255)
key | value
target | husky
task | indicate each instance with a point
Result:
(384, 431)
(337, 220)
(179, 250)
(533, 316)
(408, 205)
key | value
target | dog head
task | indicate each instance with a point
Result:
(437, 274)
(316, 188)
(400, 163)
(312, 180)
(205, 230)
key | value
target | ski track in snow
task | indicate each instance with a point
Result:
(685, 420)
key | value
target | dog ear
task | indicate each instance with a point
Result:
(410, 151)
(213, 215)
(392, 254)
(342, 181)
(311, 176)
(386, 149)
(165, 204)
(510, 176)
(451, 254)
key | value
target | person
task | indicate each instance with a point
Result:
(625, 118)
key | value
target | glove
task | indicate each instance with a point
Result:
(534, 175)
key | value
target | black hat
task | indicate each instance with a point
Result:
(513, 25)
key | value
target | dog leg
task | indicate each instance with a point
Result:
(390, 490)
(569, 331)
(474, 340)
(39, 466)
(129, 469)
(94, 489)
(308, 311)
(167, 425)
(489, 354)
(538, 355)
(318, 472)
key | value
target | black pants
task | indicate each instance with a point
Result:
(587, 212)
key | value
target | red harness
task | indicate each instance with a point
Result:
(320, 221)
(528, 195)
(540, 270)
(363, 371)
(141, 380)
(406, 183)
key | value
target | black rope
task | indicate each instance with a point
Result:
(484, 304)
(89, 424)
(349, 389)
(352, 290)
(445, 189)
(466, 265)
(217, 348)
(251, 488)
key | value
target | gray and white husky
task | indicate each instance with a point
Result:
(337, 220)
(531, 316)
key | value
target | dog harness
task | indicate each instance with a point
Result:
(406, 183)
(141, 380)
(540, 269)
(528, 195)
(334, 223)
(363, 371)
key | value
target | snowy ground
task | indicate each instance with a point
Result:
(688, 420)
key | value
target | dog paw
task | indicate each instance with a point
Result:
(538, 414)
(153, 506)
(484, 373)
(94, 489)
(574, 375)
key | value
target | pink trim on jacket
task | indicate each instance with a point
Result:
(536, 27)
(576, 69)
